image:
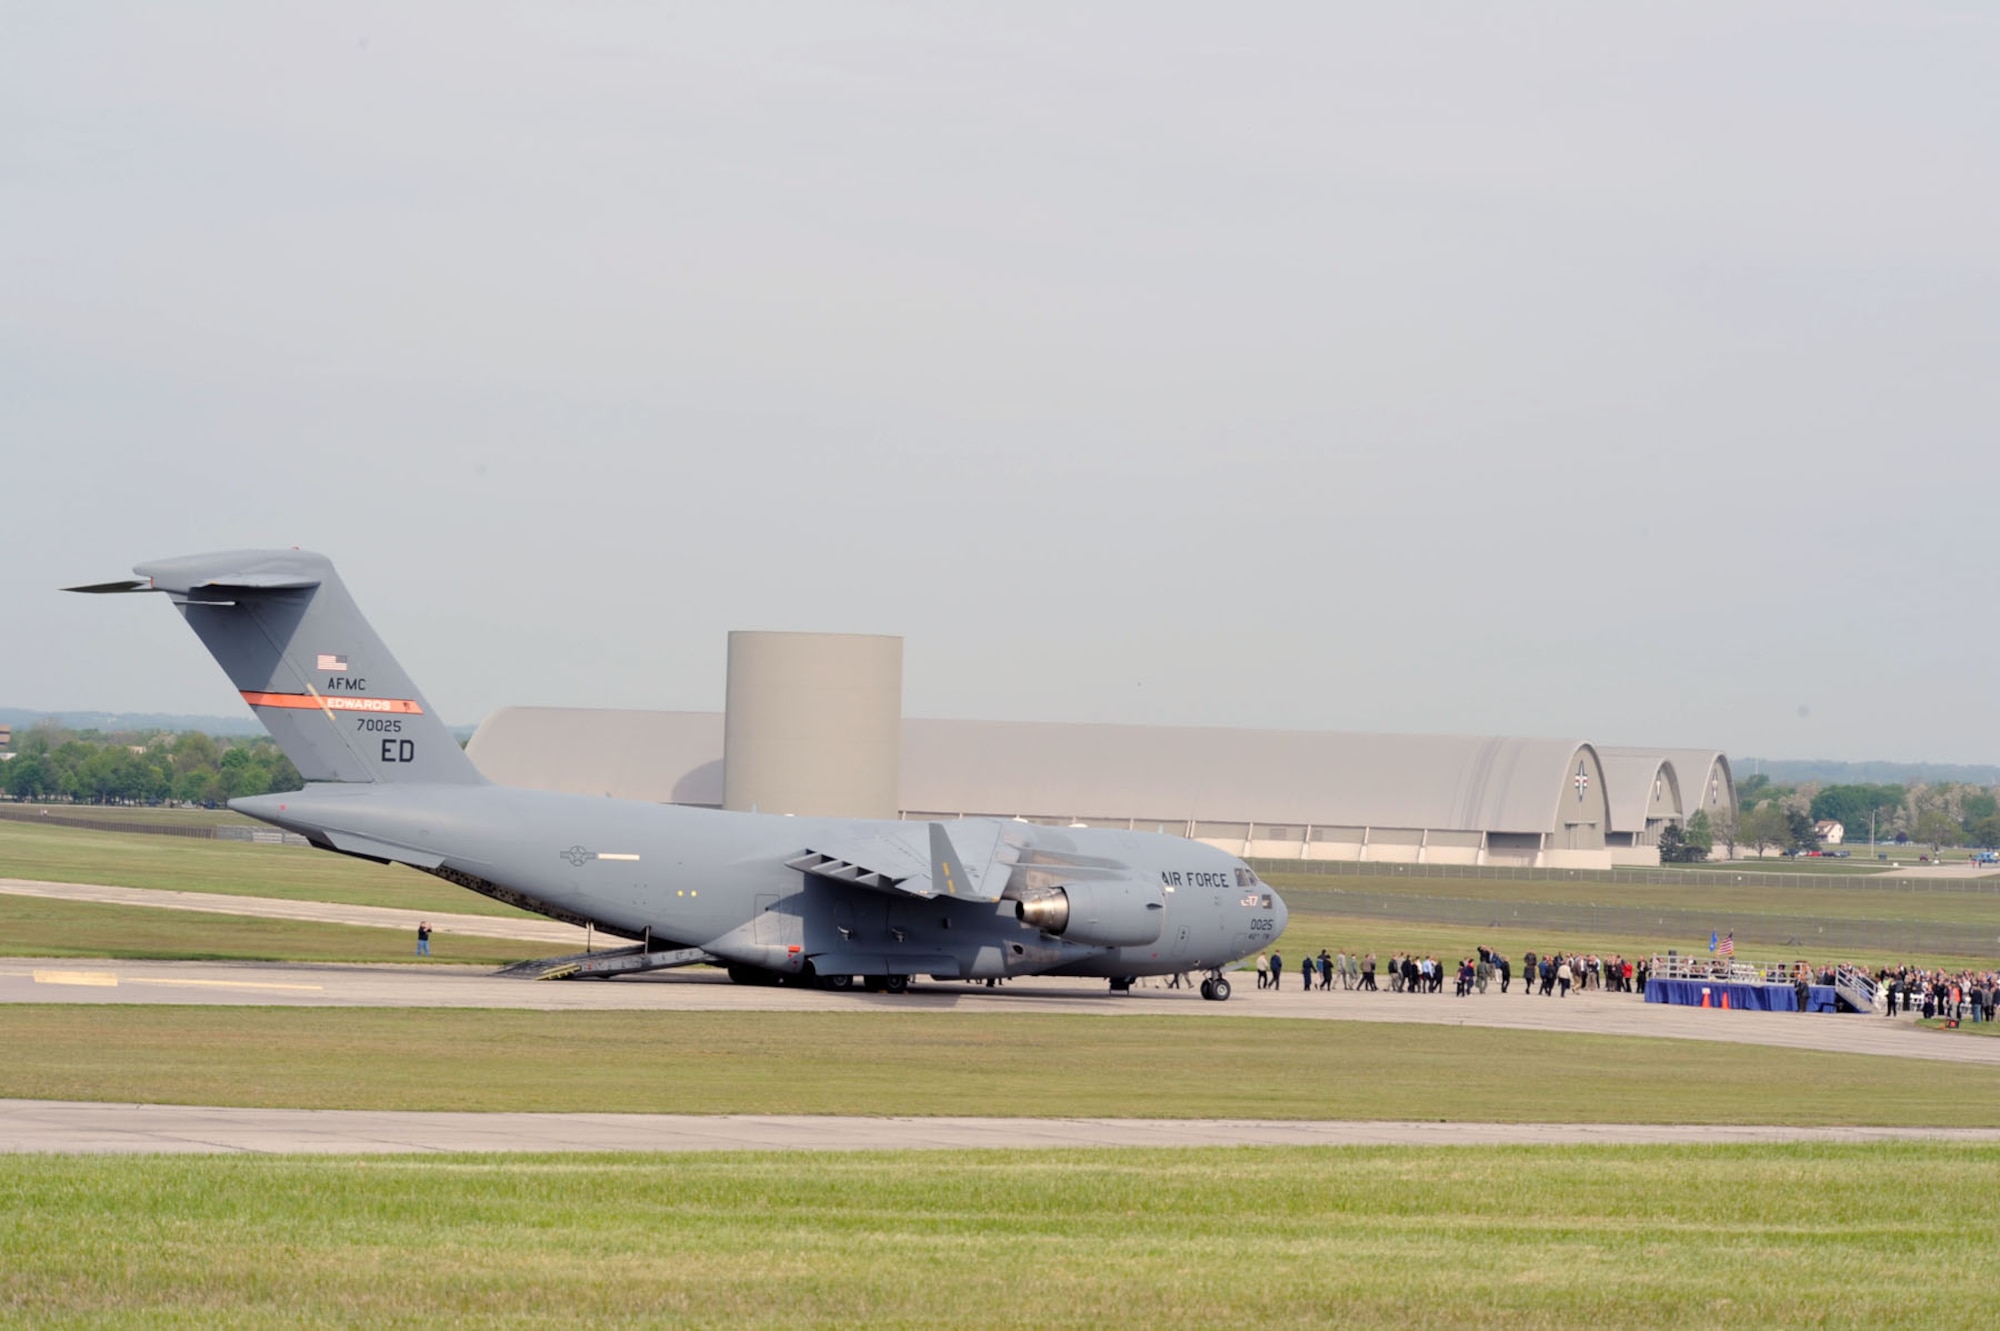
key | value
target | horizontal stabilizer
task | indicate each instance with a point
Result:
(237, 570)
(260, 582)
(113, 588)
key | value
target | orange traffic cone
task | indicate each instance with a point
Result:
(1704, 998)
(1725, 1000)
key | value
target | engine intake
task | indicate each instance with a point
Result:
(1118, 913)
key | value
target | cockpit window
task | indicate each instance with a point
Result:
(1246, 878)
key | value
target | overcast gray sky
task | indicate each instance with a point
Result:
(1623, 371)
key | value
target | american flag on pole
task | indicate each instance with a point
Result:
(1728, 948)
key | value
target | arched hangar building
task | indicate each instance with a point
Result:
(1439, 799)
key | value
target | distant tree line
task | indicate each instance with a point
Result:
(1772, 816)
(91, 767)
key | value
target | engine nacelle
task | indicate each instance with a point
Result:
(1118, 913)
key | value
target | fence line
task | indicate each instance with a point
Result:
(1508, 873)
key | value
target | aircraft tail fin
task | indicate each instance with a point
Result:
(282, 626)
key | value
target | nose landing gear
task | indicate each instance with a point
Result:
(1215, 989)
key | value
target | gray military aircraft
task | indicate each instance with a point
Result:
(773, 898)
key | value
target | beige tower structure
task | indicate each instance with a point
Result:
(813, 724)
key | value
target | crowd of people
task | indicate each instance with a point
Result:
(1964, 996)
(1551, 975)
(1971, 996)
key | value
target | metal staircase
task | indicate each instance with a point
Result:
(1857, 988)
(598, 965)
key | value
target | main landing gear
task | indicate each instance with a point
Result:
(1215, 989)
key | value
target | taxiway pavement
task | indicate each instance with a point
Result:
(67, 1127)
(72, 980)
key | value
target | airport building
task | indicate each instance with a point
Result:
(813, 727)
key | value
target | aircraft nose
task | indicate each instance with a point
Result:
(1284, 915)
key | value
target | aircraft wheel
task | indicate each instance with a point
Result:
(898, 984)
(1218, 989)
(1208, 990)
(838, 981)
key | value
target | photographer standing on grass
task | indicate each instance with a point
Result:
(424, 938)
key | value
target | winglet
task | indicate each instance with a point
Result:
(946, 871)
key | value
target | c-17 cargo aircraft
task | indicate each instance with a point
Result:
(772, 898)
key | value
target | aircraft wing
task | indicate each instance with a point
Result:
(972, 860)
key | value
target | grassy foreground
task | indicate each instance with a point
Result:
(886, 1062)
(46, 927)
(1600, 1236)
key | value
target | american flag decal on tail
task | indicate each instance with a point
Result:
(330, 661)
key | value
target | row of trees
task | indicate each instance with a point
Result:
(91, 767)
(1772, 816)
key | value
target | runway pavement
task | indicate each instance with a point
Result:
(295, 984)
(72, 980)
(54, 1126)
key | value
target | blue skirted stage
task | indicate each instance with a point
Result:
(1742, 997)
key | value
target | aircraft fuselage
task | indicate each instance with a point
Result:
(688, 877)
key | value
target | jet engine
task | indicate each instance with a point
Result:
(1117, 913)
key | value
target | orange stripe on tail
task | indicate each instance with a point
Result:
(333, 703)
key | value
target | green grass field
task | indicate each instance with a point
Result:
(62, 854)
(1311, 930)
(45, 927)
(871, 1061)
(1517, 1237)
(1979, 909)
(1316, 920)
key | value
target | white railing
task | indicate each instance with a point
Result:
(1726, 969)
